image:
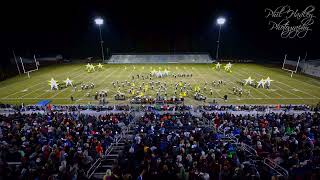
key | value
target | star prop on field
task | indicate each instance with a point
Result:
(183, 94)
(146, 87)
(88, 66)
(53, 84)
(262, 82)
(100, 66)
(268, 81)
(249, 80)
(218, 65)
(133, 84)
(153, 72)
(166, 72)
(197, 88)
(68, 82)
(91, 67)
(227, 67)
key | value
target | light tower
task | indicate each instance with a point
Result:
(99, 22)
(220, 22)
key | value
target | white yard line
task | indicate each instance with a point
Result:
(293, 87)
(43, 88)
(102, 74)
(220, 96)
(276, 85)
(41, 83)
(256, 88)
(284, 77)
(83, 73)
(238, 85)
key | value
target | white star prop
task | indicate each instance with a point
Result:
(228, 67)
(92, 68)
(68, 82)
(249, 80)
(268, 81)
(100, 66)
(53, 84)
(88, 66)
(153, 72)
(166, 72)
(262, 82)
(218, 65)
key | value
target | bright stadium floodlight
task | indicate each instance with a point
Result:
(220, 22)
(99, 22)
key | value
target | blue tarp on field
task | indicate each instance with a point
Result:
(43, 102)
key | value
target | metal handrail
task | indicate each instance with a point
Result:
(97, 163)
(268, 162)
(274, 165)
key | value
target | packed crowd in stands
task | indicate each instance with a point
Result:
(175, 145)
(259, 107)
(292, 141)
(56, 144)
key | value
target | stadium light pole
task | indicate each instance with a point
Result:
(99, 22)
(220, 22)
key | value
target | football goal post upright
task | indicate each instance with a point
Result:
(29, 71)
(284, 61)
(295, 70)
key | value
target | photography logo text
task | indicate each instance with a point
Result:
(292, 23)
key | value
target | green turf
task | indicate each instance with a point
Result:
(284, 90)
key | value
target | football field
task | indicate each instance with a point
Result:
(299, 89)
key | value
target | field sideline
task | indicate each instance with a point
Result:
(284, 90)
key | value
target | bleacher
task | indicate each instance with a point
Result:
(169, 58)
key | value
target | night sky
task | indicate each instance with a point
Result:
(136, 26)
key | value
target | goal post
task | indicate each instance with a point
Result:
(295, 66)
(28, 71)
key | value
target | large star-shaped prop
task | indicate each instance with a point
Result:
(261, 83)
(248, 81)
(153, 72)
(100, 66)
(166, 72)
(268, 81)
(88, 66)
(218, 65)
(68, 82)
(197, 88)
(228, 66)
(53, 84)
